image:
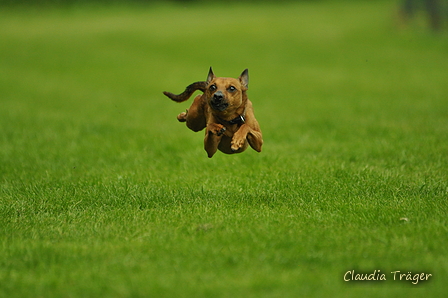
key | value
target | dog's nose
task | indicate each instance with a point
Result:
(218, 101)
(218, 96)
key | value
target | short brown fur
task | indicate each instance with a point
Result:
(224, 111)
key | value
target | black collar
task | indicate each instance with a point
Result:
(238, 120)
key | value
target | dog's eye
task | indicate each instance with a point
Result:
(212, 88)
(231, 89)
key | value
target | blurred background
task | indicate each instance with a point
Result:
(96, 67)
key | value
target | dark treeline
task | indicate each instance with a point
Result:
(76, 2)
(435, 12)
(108, 2)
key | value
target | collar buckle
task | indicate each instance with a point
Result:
(238, 120)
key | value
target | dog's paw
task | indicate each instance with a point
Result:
(237, 143)
(216, 129)
(182, 117)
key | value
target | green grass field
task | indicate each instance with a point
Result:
(104, 194)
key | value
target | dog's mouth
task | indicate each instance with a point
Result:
(218, 102)
(219, 106)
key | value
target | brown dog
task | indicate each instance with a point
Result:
(224, 111)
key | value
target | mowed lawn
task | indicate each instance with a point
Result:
(104, 194)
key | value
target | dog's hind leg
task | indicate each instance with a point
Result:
(194, 116)
(182, 117)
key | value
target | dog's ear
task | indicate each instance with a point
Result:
(244, 78)
(211, 75)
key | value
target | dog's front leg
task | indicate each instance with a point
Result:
(246, 133)
(255, 139)
(213, 135)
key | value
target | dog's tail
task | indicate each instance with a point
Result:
(188, 91)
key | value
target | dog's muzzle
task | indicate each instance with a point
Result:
(218, 101)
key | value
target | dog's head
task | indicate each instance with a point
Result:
(226, 95)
